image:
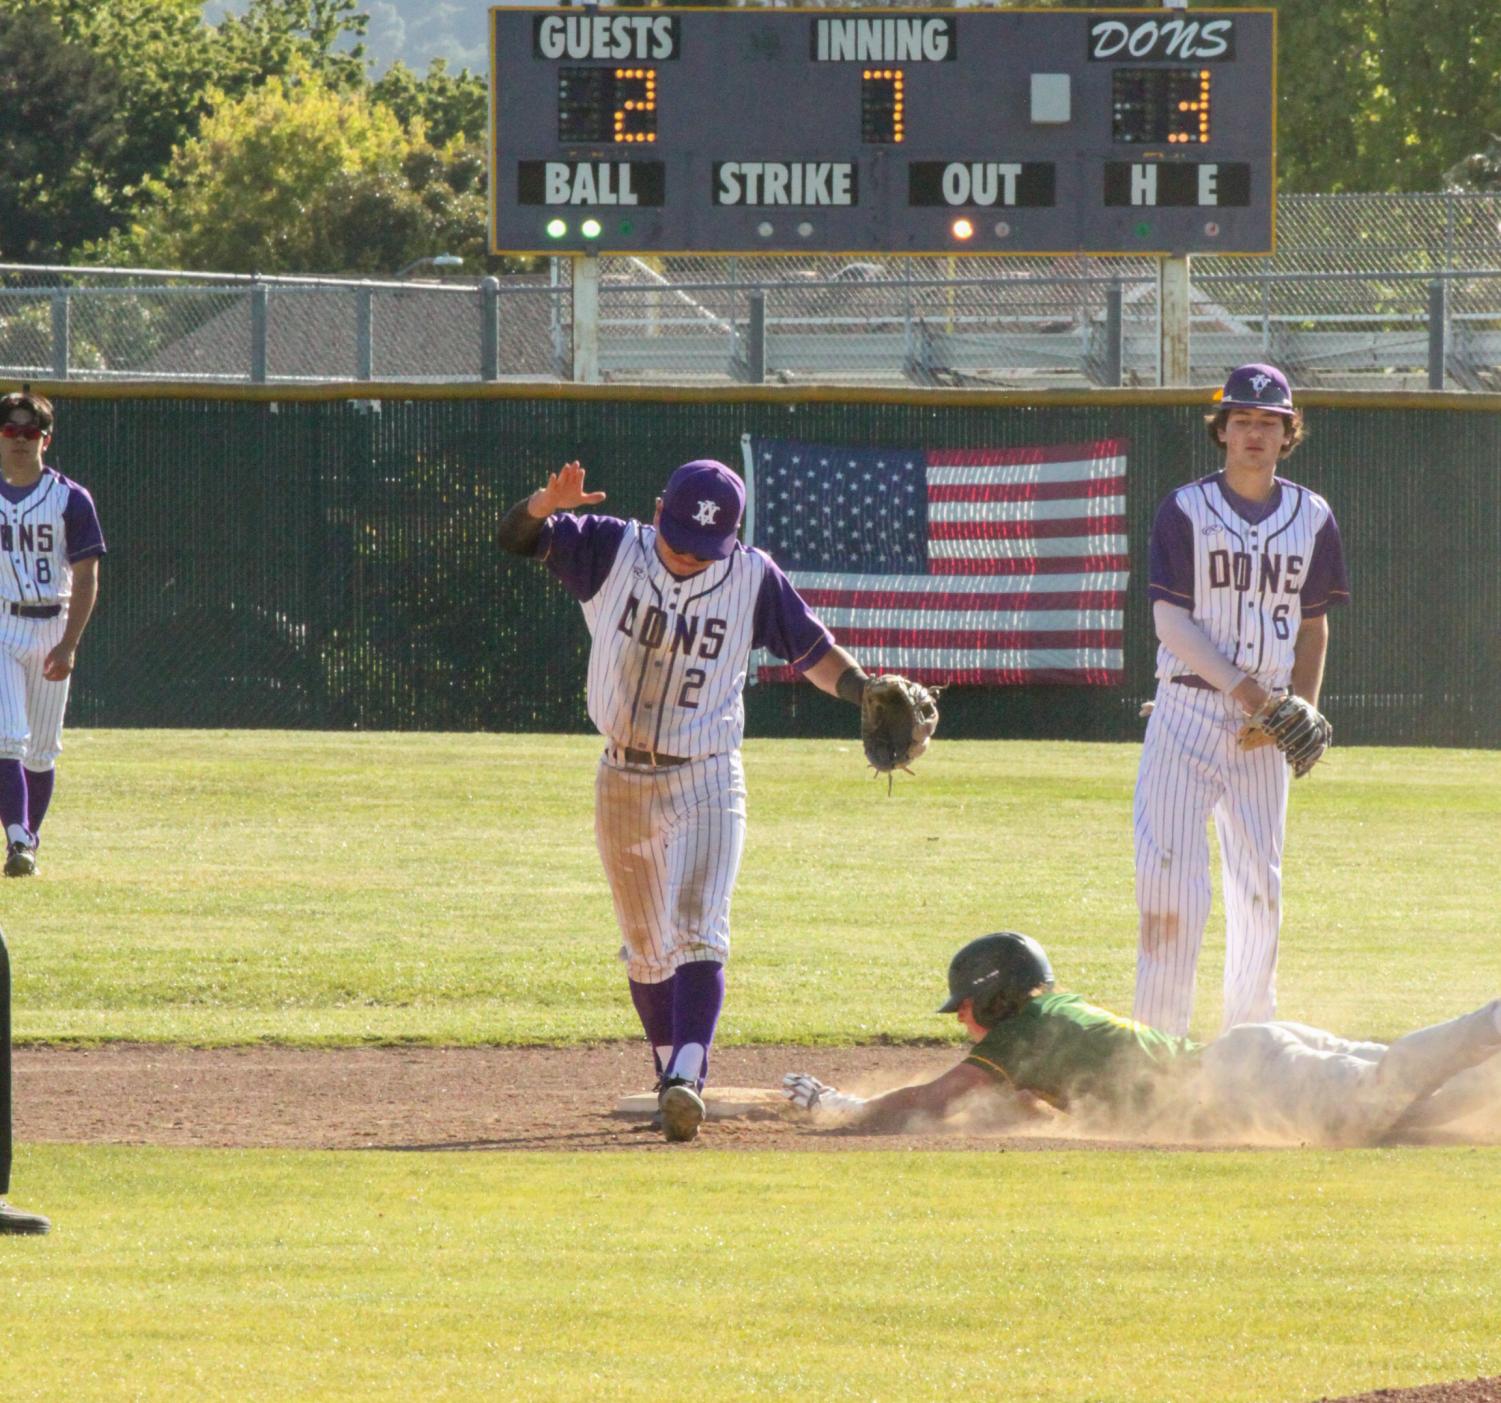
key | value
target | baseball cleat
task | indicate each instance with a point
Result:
(682, 1111)
(20, 860)
(12, 1220)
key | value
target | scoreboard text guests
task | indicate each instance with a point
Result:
(882, 131)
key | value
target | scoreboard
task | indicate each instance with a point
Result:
(882, 131)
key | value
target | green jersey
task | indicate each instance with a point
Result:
(1066, 1051)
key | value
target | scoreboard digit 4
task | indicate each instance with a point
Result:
(883, 131)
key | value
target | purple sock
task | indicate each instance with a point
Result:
(13, 794)
(39, 794)
(697, 997)
(654, 1009)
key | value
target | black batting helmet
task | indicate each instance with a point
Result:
(998, 972)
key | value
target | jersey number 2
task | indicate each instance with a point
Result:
(693, 683)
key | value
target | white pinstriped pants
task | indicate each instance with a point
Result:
(1289, 1080)
(31, 707)
(1191, 768)
(671, 841)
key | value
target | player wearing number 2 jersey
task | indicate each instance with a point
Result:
(50, 546)
(1244, 567)
(674, 609)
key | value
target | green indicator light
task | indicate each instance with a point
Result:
(556, 228)
(591, 229)
(625, 226)
(1143, 230)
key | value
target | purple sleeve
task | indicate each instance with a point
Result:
(783, 623)
(81, 533)
(1326, 583)
(579, 550)
(1170, 565)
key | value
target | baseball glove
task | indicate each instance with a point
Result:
(1294, 726)
(897, 720)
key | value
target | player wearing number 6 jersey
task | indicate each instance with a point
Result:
(1244, 567)
(674, 609)
(50, 546)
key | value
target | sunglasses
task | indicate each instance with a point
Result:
(29, 432)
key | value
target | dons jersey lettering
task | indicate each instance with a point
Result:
(668, 656)
(1249, 573)
(44, 529)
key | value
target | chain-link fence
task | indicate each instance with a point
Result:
(1383, 291)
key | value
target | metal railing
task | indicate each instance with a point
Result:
(1396, 291)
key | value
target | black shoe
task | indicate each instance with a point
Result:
(20, 860)
(681, 1108)
(12, 1220)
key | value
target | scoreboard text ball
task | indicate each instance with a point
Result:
(882, 131)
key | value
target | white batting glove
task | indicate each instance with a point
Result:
(811, 1095)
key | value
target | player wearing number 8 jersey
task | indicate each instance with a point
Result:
(50, 544)
(674, 609)
(1244, 567)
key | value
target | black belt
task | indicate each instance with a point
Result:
(36, 611)
(651, 757)
(1190, 679)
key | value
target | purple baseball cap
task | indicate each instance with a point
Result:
(1257, 387)
(701, 509)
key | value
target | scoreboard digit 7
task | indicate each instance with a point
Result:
(882, 131)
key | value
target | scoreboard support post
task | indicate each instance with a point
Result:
(585, 319)
(1172, 321)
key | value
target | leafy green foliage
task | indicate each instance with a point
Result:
(60, 135)
(277, 38)
(448, 105)
(295, 176)
(1389, 96)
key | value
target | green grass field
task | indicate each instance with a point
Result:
(229, 887)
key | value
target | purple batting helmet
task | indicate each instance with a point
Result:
(701, 509)
(1257, 387)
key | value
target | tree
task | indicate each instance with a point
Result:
(243, 194)
(1387, 96)
(447, 104)
(275, 38)
(60, 134)
(111, 87)
(296, 177)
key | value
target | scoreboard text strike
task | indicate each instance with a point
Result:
(890, 131)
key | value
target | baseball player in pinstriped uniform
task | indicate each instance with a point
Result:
(673, 611)
(50, 544)
(1244, 568)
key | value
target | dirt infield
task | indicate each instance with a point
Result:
(420, 1098)
(471, 1099)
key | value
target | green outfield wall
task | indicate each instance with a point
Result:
(315, 557)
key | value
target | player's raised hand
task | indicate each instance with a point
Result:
(564, 490)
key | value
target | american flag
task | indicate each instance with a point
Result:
(984, 566)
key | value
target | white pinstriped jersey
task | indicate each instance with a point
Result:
(1248, 583)
(669, 656)
(52, 525)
